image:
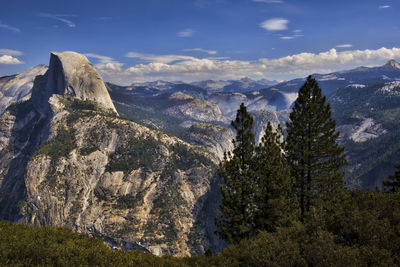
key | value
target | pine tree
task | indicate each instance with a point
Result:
(273, 199)
(314, 156)
(237, 171)
(393, 183)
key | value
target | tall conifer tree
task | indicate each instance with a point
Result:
(275, 205)
(314, 156)
(237, 171)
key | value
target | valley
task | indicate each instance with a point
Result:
(136, 164)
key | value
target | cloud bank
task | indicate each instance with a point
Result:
(187, 68)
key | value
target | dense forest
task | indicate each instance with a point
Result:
(284, 203)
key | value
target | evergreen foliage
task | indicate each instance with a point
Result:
(314, 156)
(60, 146)
(363, 231)
(237, 171)
(393, 183)
(275, 205)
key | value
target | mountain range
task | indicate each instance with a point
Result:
(242, 85)
(136, 164)
(358, 128)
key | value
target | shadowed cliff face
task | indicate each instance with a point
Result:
(67, 158)
(22, 129)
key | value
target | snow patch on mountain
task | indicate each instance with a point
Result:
(356, 85)
(391, 89)
(368, 129)
(328, 77)
(290, 98)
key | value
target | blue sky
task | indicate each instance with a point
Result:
(190, 40)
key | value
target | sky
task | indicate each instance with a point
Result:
(192, 40)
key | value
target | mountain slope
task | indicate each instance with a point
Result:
(67, 158)
(18, 87)
(368, 120)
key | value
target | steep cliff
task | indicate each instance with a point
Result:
(71, 74)
(67, 158)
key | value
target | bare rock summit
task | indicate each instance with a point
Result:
(71, 74)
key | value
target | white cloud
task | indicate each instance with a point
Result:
(61, 18)
(290, 37)
(8, 27)
(10, 52)
(176, 67)
(103, 59)
(268, 1)
(297, 31)
(210, 52)
(186, 33)
(159, 58)
(9, 60)
(106, 63)
(287, 37)
(110, 66)
(275, 24)
(381, 7)
(344, 46)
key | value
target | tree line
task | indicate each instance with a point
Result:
(297, 178)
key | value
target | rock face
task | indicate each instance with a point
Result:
(261, 119)
(367, 119)
(67, 158)
(71, 74)
(18, 87)
(215, 138)
(195, 109)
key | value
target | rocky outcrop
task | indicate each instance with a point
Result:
(194, 109)
(18, 87)
(68, 159)
(261, 119)
(133, 186)
(215, 138)
(71, 74)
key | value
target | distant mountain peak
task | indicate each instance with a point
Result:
(392, 64)
(246, 79)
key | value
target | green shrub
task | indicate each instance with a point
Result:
(59, 146)
(133, 154)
